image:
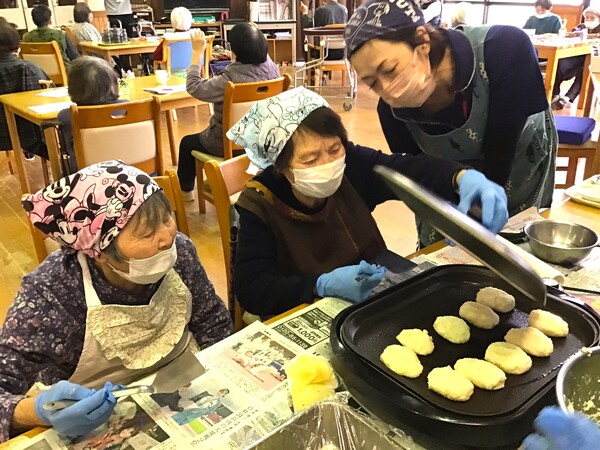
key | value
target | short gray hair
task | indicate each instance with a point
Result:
(92, 81)
(151, 214)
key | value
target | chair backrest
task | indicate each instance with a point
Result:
(226, 179)
(239, 98)
(178, 54)
(172, 189)
(129, 131)
(72, 37)
(46, 55)
(169, 182)
(334, 43)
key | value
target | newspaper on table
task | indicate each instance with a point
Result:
(241, 397)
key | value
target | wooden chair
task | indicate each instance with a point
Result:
(172, 189)
(72, 37)
(46, 55)
(226, 179)
(237, 101)
(177, 56)
(327, 65)
(588, 152)
(169, 182)
(128, 131)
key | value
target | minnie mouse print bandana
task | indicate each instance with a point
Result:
(268, 125)
(375, 18)
(86, 211)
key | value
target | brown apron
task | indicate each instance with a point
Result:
(341, 234)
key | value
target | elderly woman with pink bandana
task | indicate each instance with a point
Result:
(124, 296)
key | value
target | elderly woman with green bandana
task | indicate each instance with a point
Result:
(306, 228)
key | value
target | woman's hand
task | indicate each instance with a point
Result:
(198, 41)
(474, 187)
(92, 408)
(557, 430)
(351, 283)
(303, 8)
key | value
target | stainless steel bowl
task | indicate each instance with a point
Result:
(560, 242)
(578, 383)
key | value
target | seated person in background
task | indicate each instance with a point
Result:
(573, 66)
(543, 21)
(331, 12)
(557, 430)
(17, 75)
(92, 81)
(306, 228)
(82, 29)
(181, 21)
(42, 17)
(252, 63)
(432, 11)
(460, 15)
(124, 296)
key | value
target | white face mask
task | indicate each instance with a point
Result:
(320, 181)
(412, 87)
(150, 270)
(591, 24)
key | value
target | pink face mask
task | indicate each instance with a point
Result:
(412, 87)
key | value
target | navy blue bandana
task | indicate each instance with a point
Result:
(375, 18)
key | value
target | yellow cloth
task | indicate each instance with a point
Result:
(311, 379)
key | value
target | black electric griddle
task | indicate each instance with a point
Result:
(369, 330)
(490, 418)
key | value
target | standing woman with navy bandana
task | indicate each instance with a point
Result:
(474, 95)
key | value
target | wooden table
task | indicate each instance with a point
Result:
(108, 51)
(571, 211)
(18, 105)
(558, 48)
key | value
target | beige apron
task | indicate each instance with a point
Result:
(124, 343)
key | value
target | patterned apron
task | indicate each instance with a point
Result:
(531, 180)
(124, 343)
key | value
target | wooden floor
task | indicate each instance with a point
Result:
(17, 256)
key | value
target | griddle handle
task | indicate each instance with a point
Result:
(565, 296)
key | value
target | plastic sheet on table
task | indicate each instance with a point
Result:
(333, 425)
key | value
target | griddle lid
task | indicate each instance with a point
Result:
(466, 232)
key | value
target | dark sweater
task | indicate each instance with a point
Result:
(516, 92)
(259, 285)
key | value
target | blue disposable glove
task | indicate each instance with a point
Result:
(557, 430)
(93, 408)
(351, 283)
(473, 187)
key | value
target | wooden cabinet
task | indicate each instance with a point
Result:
(281, 39)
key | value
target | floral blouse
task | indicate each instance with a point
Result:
(42, 337)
